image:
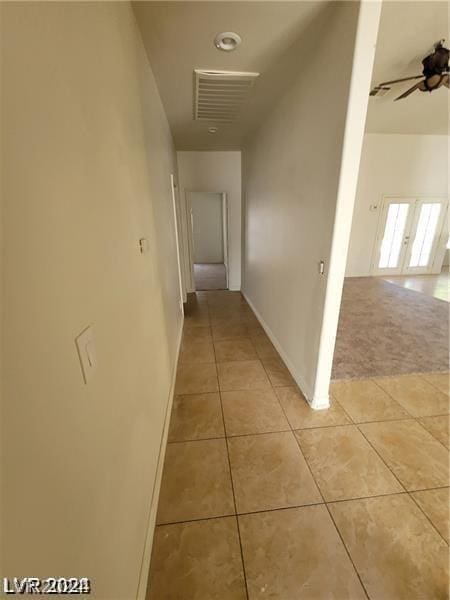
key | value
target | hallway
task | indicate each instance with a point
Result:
(263, 496)
(143, 418)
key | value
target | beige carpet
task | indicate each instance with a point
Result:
(385, 329)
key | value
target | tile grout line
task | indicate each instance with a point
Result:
(387, 465)
(348, 551)
(430, 432)
(421, 375)
(237, 435)
(346, 413)
(380, 457)
(376, 378)
(352, 422)
(325, 502)
(231, 475)
(391, 397)
(236, 516)
(410, 418)
(321, 494)
(323, 498)
(401, 405)
(278, 508)
(335, 401)
(232, 485)
(411, 495)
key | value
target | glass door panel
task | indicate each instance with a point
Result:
(427, 227)
(410, 236)
(390, 249)
(391, 245)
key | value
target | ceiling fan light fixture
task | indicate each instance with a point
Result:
(213, 129)
(227, 41)
(433, 83)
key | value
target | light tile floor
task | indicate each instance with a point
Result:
(263, 497)
(437, 286)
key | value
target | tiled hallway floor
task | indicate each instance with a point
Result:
(262, 497)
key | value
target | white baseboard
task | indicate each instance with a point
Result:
(315, 403)
(145, 565)
(319, 403)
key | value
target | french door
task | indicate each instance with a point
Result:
(410, 234)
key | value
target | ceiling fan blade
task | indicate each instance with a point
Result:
(446, 81)
(400, 80)
(410, 91)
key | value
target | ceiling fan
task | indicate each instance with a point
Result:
(435, 74)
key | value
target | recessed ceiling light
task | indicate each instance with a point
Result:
(213, 129)
(227, 41)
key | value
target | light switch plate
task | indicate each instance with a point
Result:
(86, 352)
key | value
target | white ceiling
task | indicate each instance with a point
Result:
(179, 36)
(407, 33)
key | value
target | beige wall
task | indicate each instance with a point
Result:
(396, 165)
(291, 172)
(215, 172)
(86, 162)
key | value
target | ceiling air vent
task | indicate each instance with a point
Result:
(219, 95)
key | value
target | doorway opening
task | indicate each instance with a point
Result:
(209, 239)
(410, 236)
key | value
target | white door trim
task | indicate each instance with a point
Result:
(225, 224)
(225, 234)
(190, 236)
(175, 204)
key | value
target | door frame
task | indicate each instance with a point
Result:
(178, 237)
(225, 233)
(411, 221)
(190, 235)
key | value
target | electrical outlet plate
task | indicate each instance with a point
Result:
(86, 353)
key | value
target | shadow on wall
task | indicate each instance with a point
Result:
(273, 84)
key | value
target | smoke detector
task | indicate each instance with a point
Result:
(227, 41)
